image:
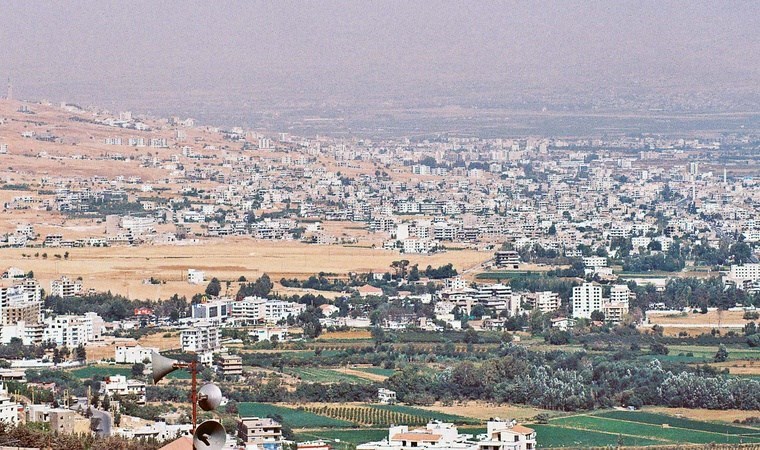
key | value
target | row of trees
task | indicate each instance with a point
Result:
(566, 381)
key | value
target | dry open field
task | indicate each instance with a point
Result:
(351, 334)
(728, 415)
(123, 269)
(97, 351)
(696, 324)
(483, 410)
(740, 367)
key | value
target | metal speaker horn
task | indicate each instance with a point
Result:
(161, 366)
(209, 397)
(209, 435)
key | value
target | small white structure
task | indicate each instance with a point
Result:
(195, 276)
(386, 396)
(133, 353)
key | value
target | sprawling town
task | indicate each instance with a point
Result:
(450, 293)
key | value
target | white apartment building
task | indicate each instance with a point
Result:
(269, 334)
(30, 334)
(248, 310)
(455, 283)
(138, 225)
(745, 276)
(595, 261)
(133, 353)
(744, 272)
(544, 301)
(587, 298)
(615, 311)
(121, 386)
(419, 245)
(66, 330)
(278, 310)
(65, 287)
(621, 293)
(503, 435)
(200, 338)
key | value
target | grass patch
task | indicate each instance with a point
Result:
(344, 439)
(674, 435)
(315, 375)
(507, 275)
(293, 417)
(88, 372)
(659, 419)
(428, 415)
(551, 436)
(377, 371)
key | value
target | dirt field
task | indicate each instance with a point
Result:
(740, 367)
(97, 351)
(122, 269)
(695, 324)
(485, 411)
(728, 415)
(367, 375)
(353, 334)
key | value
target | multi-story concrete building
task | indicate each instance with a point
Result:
(133, 353)
(230, 365)
(66, 330)
(258, 433)
(278, 310)
(65, 421)
(8, 409)
(507, 258)
(200, 338)
(216, 311)
(587, 298)
(544, 301)
(65, 287)
(121, 386)
(503, 435)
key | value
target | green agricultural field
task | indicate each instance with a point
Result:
(676, 422)
(550, 436)
(102, 371)
(293, 417)
(88, 372)
(377, 371)
(315, 375)
(655, 432)
(428, 415)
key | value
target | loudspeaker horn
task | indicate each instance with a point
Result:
(209, 435)
(161, 366)
(209, 397)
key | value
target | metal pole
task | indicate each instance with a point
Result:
(194, 393)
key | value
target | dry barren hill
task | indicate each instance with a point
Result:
(50, 146)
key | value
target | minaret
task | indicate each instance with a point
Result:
(9, 94)
(724, 176)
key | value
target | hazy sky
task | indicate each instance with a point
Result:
(111, 51)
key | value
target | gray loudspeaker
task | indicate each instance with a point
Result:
(209, 397)
(209, 435)
(161, 366)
